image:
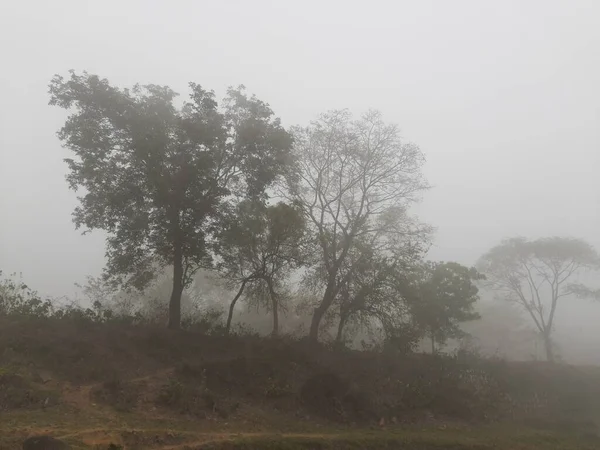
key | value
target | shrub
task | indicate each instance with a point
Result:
(16, 392)
(122, 396)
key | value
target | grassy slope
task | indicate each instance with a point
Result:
(69, 365)
(86, 430)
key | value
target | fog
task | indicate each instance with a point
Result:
(501, 96)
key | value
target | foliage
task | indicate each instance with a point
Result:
(536, 274)
(354, 181)
(155, 176)
(123, 396)
(19, 299)
(444, 296)
(376, 293)
(258, 246)
(16, 392)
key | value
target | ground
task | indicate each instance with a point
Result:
(93, 385)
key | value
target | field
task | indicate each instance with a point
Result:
(97, 385)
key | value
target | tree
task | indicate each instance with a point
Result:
(537, 274)
(376, 293)
(260, 245)
(445, 295)
(351, 175)
(155, 176)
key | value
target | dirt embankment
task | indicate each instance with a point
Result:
(59, 371)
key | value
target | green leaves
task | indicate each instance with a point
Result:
(155, 176)
(444, 296)
(258, 241)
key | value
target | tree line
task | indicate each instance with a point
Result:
(202, 184)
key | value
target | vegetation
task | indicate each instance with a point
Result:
(258, 246)
(536, 274)
(192, 188)
(155, 176)
(355, 181)
(445, 295)
(93, 382)
(206, 203)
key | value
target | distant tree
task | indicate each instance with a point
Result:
(155, 176)
(351, 173)
(259, 245)
(445, 295)
(536, 274)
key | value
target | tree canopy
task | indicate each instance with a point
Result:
(445, 295)
(154, 175)
(187, 185)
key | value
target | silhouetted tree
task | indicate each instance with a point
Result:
(155, 176)
(375, 295)
(536, 274)
(350, 174)
(444, 296)
(260, 245)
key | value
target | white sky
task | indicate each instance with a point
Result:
(502, 96)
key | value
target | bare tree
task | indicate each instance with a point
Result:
(355, 182)
(536, 274)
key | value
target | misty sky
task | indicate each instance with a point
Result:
(502, 96)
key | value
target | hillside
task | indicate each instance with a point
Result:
(137, 387)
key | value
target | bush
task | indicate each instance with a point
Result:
(122, 396)
(16, 298)
(186, 399)
(328, 395)
(16, 392)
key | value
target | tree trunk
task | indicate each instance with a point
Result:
(175, 301)
(275, 307)
(548, 347)
(232, 306)
(319, 312)
(340, 331)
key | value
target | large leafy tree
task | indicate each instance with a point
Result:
(537, 274)
(258, 247)
(155, 175)
(351, 175)
(444, 295)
